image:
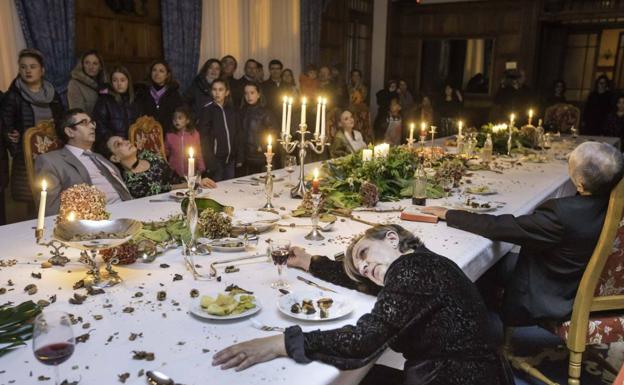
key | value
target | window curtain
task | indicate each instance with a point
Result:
(181, 31)
(12, 43)
(49, 26)
(258, 29)
(311, 12)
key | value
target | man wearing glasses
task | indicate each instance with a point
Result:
(76, 163)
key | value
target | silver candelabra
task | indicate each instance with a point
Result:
(317, 145)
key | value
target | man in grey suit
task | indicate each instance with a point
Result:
(76, 163)
(557, 239)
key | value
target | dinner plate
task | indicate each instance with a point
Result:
(340, 308)
(463, 206)
(261, 220)
(197, 310)
(262, 177)
(221, 244)
(181, 193)
(476, 191)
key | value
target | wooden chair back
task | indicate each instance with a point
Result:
(147, 134)
(38, 140)
(602, 285)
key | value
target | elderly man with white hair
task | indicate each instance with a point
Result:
(557, 239)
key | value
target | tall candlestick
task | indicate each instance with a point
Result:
(289, 115)
(460, 125)
(315, 182)
(530, 116)
(270, 145)
(284, 112)
(323, 109)
(433, 132)
(411, 135)
(304, 100)
(317, 127)
(42, 204)
(191, 163)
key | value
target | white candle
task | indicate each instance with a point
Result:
(270, 146)
(512, 117)
(284, 114)
(323, 108)
(411, 136)
(42, 204)
(423, 130)
(530, 116)
(367, 155)
(289, 115)
(304, 100)
(317, 127)
(460, 125)
(191, 163)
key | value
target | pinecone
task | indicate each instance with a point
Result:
(214, 225)
(126, 254)
(369, 194)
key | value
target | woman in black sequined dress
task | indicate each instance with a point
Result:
(426, 309)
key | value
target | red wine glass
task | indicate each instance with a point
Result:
(53, 339)
(280, 250)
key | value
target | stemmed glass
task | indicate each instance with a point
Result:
(53, 339)
(290, 162)
(280, 250)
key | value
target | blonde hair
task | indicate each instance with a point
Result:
(407, 241)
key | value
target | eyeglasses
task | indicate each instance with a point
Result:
(85, 122)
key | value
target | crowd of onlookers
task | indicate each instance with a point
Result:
(227, 120)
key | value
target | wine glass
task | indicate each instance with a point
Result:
(53, 339)
(290, 162)
(280, 250)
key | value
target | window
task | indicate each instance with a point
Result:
(578, 66)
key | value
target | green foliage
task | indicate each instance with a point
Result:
(16, 325)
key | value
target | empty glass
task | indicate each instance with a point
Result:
(290, 162)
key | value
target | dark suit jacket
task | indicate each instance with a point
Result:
(556, 242)
(62, 170)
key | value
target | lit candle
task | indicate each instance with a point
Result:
(512, 117)
(423, 131)
(323, 109)
(191, 163)
(530, 116)
(460, 125)
(304, 100)
(270, 146)
(317, 127)
(367, 155)
(42, 204)
(71, 216)
(284, 112)
(289, 115)
(411, 136)
(315, 182)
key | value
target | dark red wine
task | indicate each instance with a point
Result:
(419, 201)
(280, 256)
(54, 354)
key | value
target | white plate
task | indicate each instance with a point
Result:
(474, 191)
(174, 194)
(340, 308)
(261, 220)
(221, 248)
(197, 310)
(463, 206)
(262, 177)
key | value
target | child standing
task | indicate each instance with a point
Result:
(178, 142)
(221, 134)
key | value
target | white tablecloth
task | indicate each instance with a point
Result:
(184, 345)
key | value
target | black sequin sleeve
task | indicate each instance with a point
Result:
(333, 271)
(406, 298)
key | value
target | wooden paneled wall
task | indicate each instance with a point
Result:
(514, 26)
(122, 38)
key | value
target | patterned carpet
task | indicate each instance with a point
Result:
(550, 357)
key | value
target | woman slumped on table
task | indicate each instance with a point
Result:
(426, 309)
(145, 173)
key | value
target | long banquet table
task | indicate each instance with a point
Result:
(183, 345)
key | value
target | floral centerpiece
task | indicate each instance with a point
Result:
(500, 134)
(351, 182)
